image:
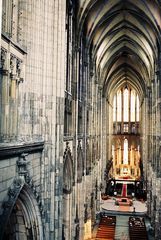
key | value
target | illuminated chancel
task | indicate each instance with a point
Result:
(126, 138)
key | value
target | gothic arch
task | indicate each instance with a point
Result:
(68, 175)
(23, 220)
(68, 180)
(79, 163)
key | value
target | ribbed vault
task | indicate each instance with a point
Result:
(124, 39)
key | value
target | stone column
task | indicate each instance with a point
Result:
(104, 142)
(4, 88)
(158, 117)
(12, 99)
(59, 51)
(84, 107)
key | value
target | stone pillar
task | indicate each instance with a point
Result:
(59, 80)
(4, 88)
(104, 142)
(12, 99)
(10, 78)
(84, 114)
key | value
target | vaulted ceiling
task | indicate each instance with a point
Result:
(124, 38)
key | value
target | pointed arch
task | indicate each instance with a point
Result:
(22, 219)
(79, 163)
(68, 175)
(68, 180)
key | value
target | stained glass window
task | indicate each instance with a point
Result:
(119, 106)
(114, 109)
(137, 108)
(126, 105)
(125, 159)
(124, 99)
(132, 107)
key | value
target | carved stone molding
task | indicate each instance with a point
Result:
(3, 57)
(12, 64)
(16, 69)
(3, 62)
(67, 149)
(68, 175)
(13, 194)
(23, 171)
(22, 163)
(8, 205)
(19, 64)
(16, 150)
(14, 190)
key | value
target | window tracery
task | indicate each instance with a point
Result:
(126, 108)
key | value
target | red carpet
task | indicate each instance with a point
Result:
(124, 190)
(106, 229)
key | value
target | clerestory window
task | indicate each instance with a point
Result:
(126, 109)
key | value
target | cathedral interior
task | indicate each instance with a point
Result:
(80, 119)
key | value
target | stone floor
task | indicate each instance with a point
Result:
(109, 205)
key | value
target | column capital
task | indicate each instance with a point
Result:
(12, 64)
(19, 65)
(3, 58)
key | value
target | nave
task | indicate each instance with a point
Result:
(80, 117)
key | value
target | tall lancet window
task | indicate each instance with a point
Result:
(126, 107)
(126, 104)
(119, 106)
(125, 159)
(137, 108)
(114, 109)
(132, 110)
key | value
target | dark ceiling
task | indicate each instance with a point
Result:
(124, 37)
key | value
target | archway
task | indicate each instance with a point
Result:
(68, 178)
(24, 221)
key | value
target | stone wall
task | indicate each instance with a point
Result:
(32, 92)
